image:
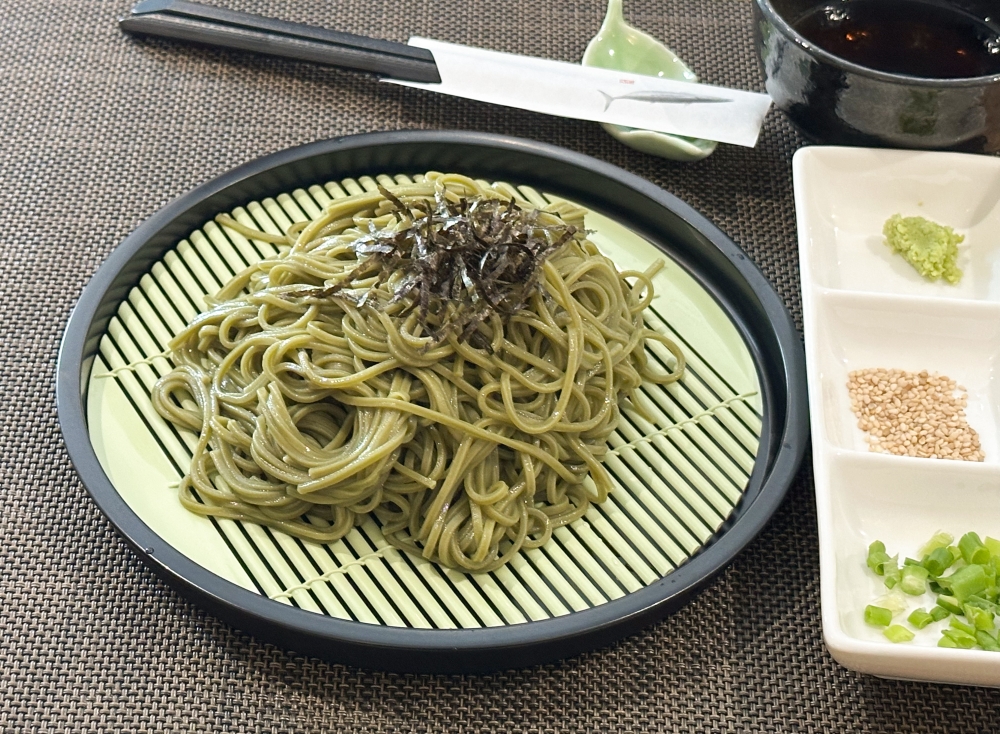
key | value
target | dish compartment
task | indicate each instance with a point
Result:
(852, 192)
(902, 502)
(960, 340)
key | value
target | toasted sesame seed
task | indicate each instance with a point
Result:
(913, 414)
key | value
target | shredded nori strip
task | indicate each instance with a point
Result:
(461, 261)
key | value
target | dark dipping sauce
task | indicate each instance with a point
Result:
(907, 37)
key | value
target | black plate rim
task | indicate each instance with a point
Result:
(418, 650)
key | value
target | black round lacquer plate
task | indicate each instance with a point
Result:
(692, 487)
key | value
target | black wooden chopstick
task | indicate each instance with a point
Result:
(230, 29)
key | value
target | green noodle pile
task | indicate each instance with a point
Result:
(314, 412)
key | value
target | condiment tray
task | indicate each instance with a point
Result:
(865, 307)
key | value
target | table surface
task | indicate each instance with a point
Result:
(97, 131)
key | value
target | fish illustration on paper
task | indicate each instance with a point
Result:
(661, 98)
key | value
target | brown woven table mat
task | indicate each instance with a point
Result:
(97, 131)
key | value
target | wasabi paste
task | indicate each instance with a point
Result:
(929, 247)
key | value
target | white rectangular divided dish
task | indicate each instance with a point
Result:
(865, 307)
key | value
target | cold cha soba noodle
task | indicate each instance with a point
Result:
(440, 355)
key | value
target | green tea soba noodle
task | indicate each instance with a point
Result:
(438, 355)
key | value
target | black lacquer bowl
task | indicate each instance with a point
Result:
(834, 101)
(685, 502)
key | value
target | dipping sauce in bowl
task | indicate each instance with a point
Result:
(908, 37)
(894, 73)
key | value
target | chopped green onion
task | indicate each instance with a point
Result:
(961, 639)
(937, 561)
(934, 586)
(973, 550)
(893, 601)
(991, 573)
(919, 618)
(914, 580)
(938, 613)
(877, 557)
(981, 619)
(877, 616)
(890, 569)
(940, 539)
(971, 592)
(898, 633)
(967, 581)
(950, 603)
(982, 603)
(987, 641)
(956, 623)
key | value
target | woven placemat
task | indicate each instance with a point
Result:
(97, 131)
